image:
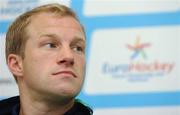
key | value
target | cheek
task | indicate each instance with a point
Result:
(81, 64)
(40, 57)
(36, 71)
(37, 63)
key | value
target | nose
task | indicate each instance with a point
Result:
(66, 56)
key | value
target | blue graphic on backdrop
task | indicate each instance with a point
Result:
(135, 20)
(13, 8)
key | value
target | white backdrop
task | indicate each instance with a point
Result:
(133, 54)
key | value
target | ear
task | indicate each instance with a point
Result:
(15, 65)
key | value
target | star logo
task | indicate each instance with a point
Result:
(138, 48)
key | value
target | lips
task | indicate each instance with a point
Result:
(65, 73)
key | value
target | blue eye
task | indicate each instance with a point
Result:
(50, 45)
(78, 49)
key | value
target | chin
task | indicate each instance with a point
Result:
(68, 92)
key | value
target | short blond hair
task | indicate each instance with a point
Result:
(16, 36)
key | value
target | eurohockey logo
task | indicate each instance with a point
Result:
(138, 48)
(138, 69)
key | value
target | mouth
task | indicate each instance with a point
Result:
(65, 74)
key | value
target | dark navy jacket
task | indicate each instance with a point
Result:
(11, 106)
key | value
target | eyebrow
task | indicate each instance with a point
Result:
(76, 38)
(49, 35)
(79, 38)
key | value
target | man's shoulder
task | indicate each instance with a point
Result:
(6, 105)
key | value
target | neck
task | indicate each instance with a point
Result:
(36, 103)
(30, 107)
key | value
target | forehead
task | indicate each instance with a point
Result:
(42, 20)
(53, 23)
(48, 19)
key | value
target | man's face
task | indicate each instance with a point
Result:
(54, 62)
